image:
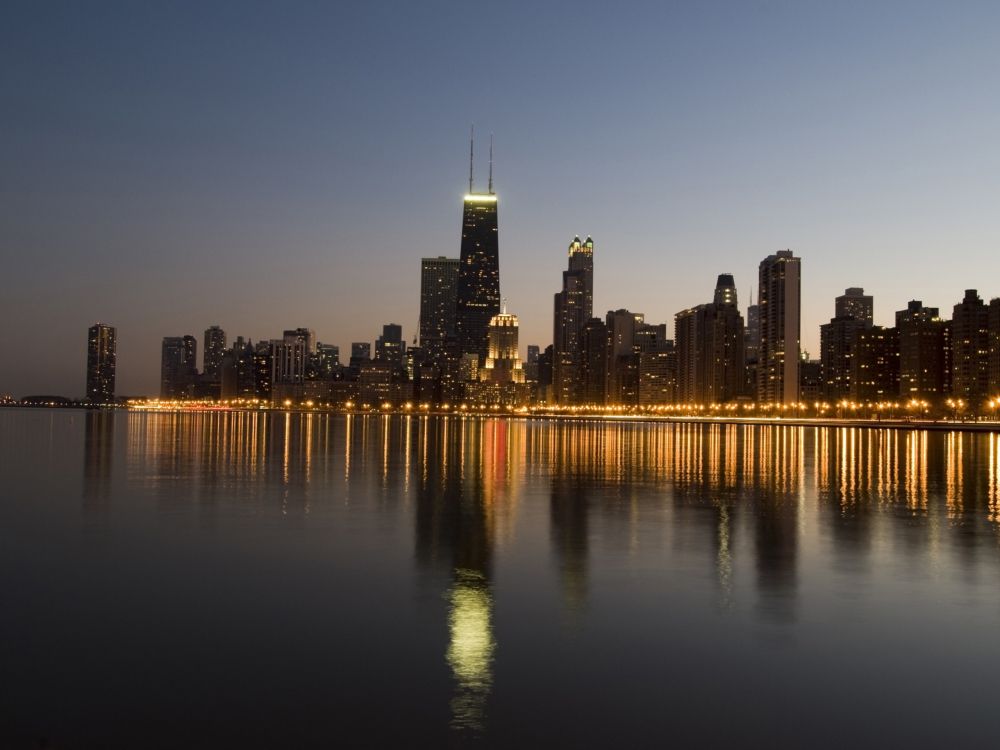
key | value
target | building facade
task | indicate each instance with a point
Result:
(574, 306)
(102, 355)
(780, 290)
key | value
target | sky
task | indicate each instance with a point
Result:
(261, 166)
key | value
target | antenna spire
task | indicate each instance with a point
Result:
(491, 164)
(472, 140)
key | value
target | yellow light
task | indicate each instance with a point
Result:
(475, 198)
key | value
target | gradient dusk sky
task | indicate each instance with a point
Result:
(165, 167)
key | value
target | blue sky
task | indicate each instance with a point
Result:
(266, 166)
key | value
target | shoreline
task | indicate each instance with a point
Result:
(828, 422)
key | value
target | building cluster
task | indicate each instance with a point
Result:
(466, 350)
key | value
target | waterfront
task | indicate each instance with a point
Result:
(294, 579)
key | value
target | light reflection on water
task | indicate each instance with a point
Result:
(538, 547)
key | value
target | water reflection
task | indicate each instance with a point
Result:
(746, 504)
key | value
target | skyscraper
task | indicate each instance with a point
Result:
(853, 315)
(854, 303)
(924, 367)
(438, 301)
(503, 364)
(875, 365)
(478, 292)
(574, 306)
(970, 349)
(780, 328)
(390, 347)
(994, 330)
(178, 366)
(102, 346)
(710, 349)
(215, 346)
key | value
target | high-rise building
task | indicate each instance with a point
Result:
(102, 348)
(178, 366)
(875, 365)
(438, 301)
(853, 314)
(710, 348)
(290, 356)
(531, 363)
(390, 347)
(215, 346)
(752, 342)
(994, 337)
(623, 359)
(658, 375)
(478, 293)
(780, 292)
(970, 344)
(327, 360)
(574, 306)
(924, 365)
(594, 362)
(503, 364)
(854, 303)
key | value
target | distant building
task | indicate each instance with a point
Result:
(503, 364)
(710, 348)
(531, 363)
(594, 362)
(855, 304)
(478, 291)
(780, 328)
(215, 346)
(853, 314)
(924, 361)
(178, 366)
(574, 306)
(970, 344)
(361, 354)
(810, 380)
(290, 356)
(102, 347)
(438, 300)
(875, 365)
(623, 359)
(994, 339)
(390, 347)
(327, 361)
(752, 343)
(658, 375)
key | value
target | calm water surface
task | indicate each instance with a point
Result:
(273, 580)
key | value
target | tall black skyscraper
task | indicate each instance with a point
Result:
(478, 295)
(102, 345)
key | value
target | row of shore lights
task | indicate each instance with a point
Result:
(797, 408)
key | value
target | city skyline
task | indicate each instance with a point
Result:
(170, 194)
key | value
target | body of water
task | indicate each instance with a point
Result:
(307, 580)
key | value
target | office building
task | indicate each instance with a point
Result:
(478, 292)
(924, 346)
(438, 301)
(574, 306)
(852, 315)
(178, 366)
(780, 289)
(503, 364)
(855, 304)
(994, 347)
(390, 347)
(970, 344)
(875, 365)
(710, 348)
(215, 347)
(102, 348)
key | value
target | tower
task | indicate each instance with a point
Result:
(574, 307)
(102, 345)
(780, 293)
(438, 300)
(215, 346)
(477, 297)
